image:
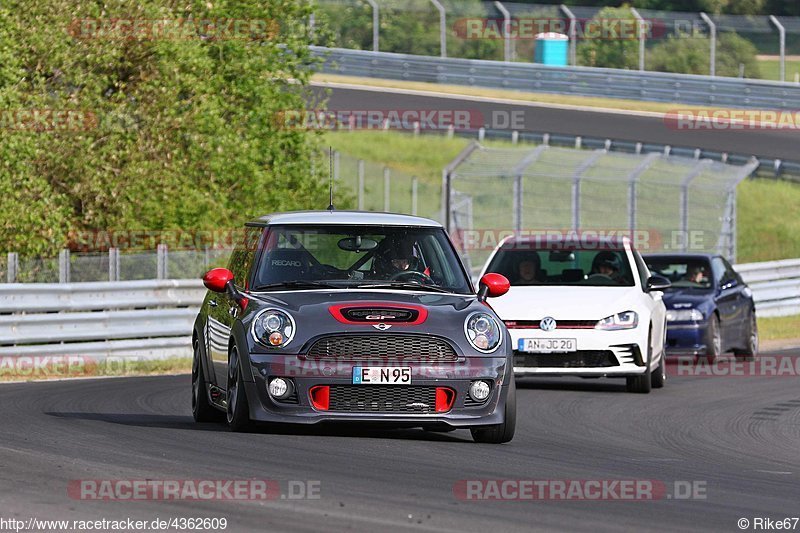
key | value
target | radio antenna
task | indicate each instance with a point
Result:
(330, 177)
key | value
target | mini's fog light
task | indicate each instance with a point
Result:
(479, 390)
(279, 388)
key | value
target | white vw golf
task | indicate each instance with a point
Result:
(582, 307)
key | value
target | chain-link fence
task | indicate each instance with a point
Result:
(662, 202)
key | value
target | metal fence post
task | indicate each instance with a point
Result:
(576, 186)
(63, 266)
(517, 203)
(712, 55)
(572, 34)
(162, 265)
(13, 267)
(375, 25)
(633, 178)
(684, 209)
(442, 27)
(641, 26)
(113, 264)
(387, 180)
(360, 184)
(414, 186)
(507, 50)
(782, 37)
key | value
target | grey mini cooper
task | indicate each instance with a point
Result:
(342, 316)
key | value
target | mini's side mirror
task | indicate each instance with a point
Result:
(217, 279)
(493, 285)
(657, 283)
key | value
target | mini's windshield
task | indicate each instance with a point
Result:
(694, 273)
(526, 265)
(359, 256)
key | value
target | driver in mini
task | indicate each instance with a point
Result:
(396, 256)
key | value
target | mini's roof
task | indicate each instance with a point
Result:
(347, 218)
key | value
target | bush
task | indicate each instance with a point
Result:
(690, 55)
(610, 53)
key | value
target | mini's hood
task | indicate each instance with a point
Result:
(564, 303)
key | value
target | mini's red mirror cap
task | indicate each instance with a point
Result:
(217, 279)
(497, 284)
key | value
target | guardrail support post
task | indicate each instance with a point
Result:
(782, 37)
(12, 267)
(360, 184)
(113, 264)
(63, 266)
(712, 55)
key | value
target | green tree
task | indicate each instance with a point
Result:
(185, 136)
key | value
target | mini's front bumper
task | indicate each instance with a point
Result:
(307, 373)
(625, 352)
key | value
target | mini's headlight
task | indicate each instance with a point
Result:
(483, 332)
(273, 328)
(624, 320)
(684, 315)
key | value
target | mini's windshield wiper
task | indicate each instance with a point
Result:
(401, 285)
(297, 284)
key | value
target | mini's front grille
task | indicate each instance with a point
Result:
(382, 399)
(579, 359)
(560, 324)
(405, 347)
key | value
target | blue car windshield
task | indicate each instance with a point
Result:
(684, 273)
(360, 256)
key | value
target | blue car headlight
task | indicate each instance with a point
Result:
(684, 315)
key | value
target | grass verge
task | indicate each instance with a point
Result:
(60, 367)
(780, 327)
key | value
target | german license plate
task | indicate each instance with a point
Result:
(382, 375)
(547, 345)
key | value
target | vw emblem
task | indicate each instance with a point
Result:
(548, 323)
(381, 326)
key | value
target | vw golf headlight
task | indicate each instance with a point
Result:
(273, 328)
(483, 332)
(684, 315)
(624, 320)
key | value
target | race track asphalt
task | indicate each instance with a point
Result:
(736, 438)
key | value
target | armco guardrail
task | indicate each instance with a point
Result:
(775, 286)
(583, 81)
(151, 318)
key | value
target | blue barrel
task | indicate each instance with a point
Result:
(551, 49)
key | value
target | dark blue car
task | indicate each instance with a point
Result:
(710, 310)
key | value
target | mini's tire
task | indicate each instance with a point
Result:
(237, 411)
(503, 432)
(202, 410)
